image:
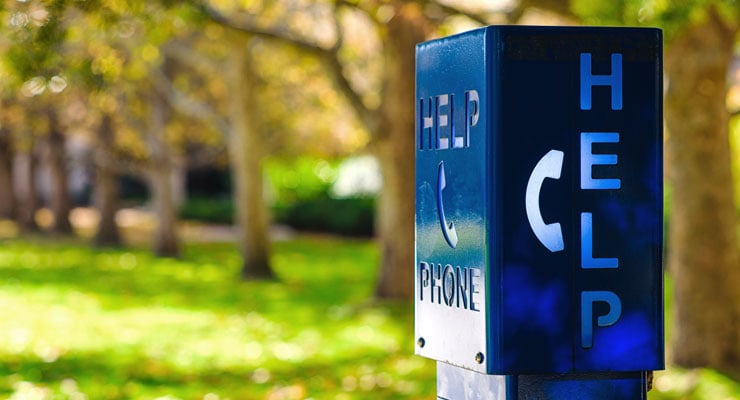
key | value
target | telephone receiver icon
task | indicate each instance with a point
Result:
(448, 229)
(549, 166)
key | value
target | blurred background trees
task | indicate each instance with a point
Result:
(109, 104)
(703, 253)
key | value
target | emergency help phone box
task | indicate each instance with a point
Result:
(539, 200)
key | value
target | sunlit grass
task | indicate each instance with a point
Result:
(676, 383)
(122, 324)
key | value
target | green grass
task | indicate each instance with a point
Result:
(121, 324)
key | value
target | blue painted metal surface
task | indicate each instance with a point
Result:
(453, 199)
(539, 200)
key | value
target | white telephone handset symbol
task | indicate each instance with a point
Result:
(448, 229)
(549, 166)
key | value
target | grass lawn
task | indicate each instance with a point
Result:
(121, 324)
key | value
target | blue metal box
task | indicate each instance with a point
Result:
(539, 200)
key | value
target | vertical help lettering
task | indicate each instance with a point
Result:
(589, 80)
(589, 160)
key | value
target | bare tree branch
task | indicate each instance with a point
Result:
(329, 56)
(481, 18)
(727, 27)
(338, 27)
(186, 104)
(559, 7)
(184, 54)
(248, 23)
(359, 5)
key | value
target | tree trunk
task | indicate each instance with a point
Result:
(24, 181)
(395, 146)
(7, 199)
(166, 243)
(246, 152)
(178, 180)
(703, 255)
(57, 153)
(106, 186)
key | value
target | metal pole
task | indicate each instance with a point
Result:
(455, 383)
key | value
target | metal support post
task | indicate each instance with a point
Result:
(455, 383)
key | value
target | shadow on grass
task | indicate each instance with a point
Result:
(191, 323)
(123, 374)
(314, 273)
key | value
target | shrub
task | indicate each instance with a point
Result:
(300, 193)
(323, 213)
(215, 210)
